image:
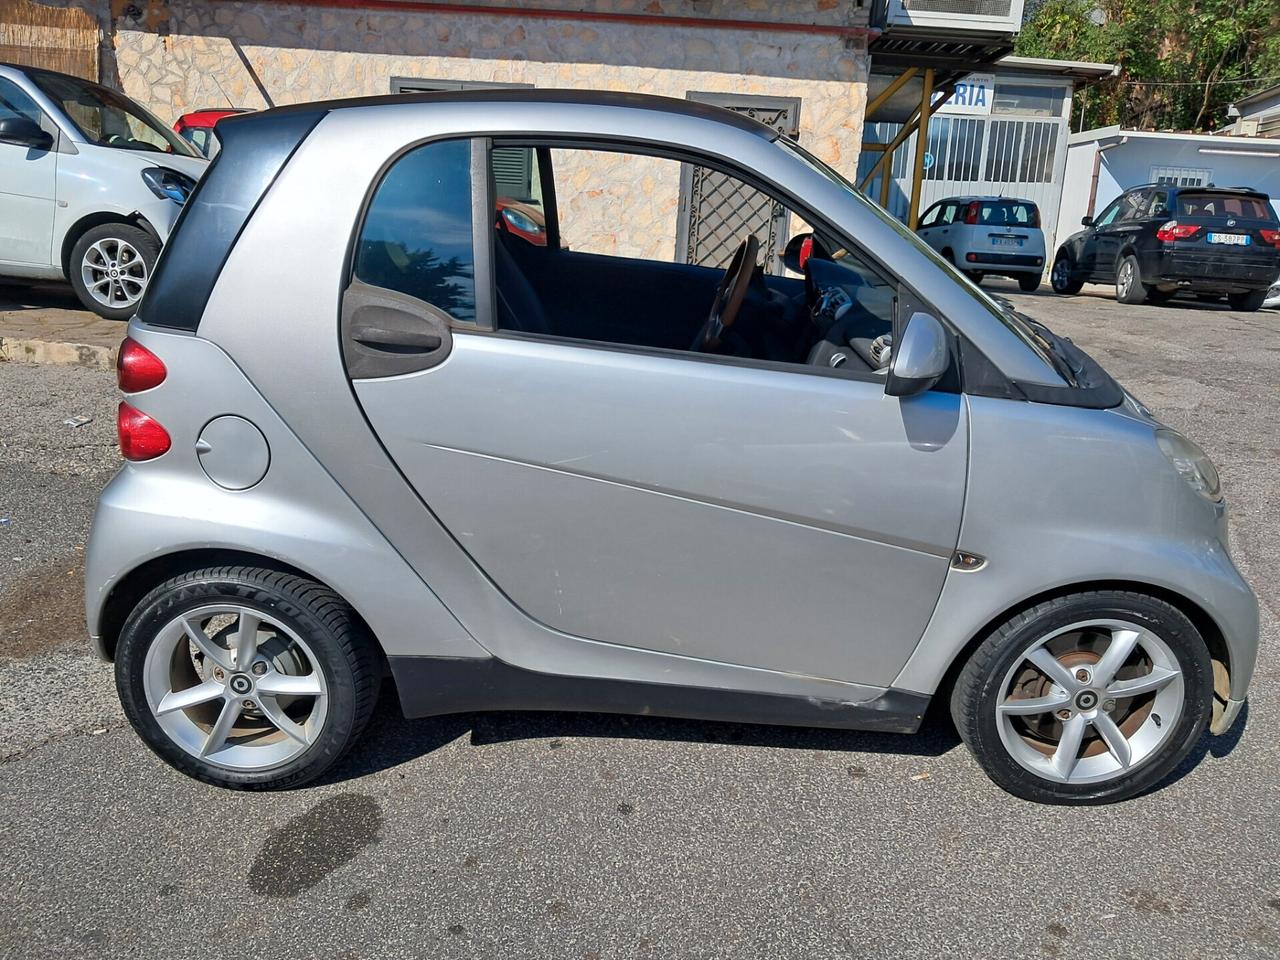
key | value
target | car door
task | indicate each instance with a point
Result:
(1091, 243)
(763, 514)
(28, 180)
(930, 229)
(1119, 228)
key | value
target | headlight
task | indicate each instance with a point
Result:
(521, 221)
(1192, 463)
(168, 184)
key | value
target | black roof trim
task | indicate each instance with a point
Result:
(604, 98)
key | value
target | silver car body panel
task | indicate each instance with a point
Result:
(1056, 495)
(297, 514)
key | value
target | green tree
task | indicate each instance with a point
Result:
(1181, 61)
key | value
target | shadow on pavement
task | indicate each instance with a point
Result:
(38, 296)
(391, 740)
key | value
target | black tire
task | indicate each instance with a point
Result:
(1061, 278)
(1135, 291)
(975, 275)
(978, 689)
(1247, 302)
(1028, 282)
(136, 238)
(346, 653)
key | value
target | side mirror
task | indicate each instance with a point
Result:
(799, 250)
(920, 358)
(1086, 221)
(24, 132)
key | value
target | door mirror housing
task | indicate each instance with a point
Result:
(1086, 221)
(24, 132)
(921, 357)
(798, 251)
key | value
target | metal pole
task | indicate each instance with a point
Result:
(922, 143)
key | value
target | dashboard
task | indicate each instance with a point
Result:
(853, 315)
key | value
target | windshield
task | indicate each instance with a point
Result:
(107, 118)
(1036, 337)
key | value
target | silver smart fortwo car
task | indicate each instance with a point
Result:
(634, 452)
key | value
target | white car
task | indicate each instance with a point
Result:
(90, 186)
(1273, 297)
(982, 235)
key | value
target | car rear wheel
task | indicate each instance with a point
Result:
(1061, 279)
(975, 275)
(1129, 285)
(110, 268)
(1085, 699)
(1247, 302)
(1028, 282)
(246, 678)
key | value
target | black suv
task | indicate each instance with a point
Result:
(1156, 240)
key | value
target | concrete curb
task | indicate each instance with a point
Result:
(18, 350)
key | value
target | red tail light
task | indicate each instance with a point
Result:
(141, 437)
(137, 368)
(971, 212)
(1173, 230)
(1271, 236)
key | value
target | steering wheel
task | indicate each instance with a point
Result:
(729, 296)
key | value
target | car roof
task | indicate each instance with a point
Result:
(1190, 188)
(507, 95)
(972, 197)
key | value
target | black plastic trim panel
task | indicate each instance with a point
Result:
(252, 156)
(434, 686)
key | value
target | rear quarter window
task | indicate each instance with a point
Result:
(417, 237)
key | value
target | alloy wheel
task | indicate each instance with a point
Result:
(235, 687)
(1090, 702)
(1060, 277)
(1125, 280)
(114, 272)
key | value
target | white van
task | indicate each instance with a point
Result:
(90, 186)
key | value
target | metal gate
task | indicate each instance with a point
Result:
(717, 211)
(992, 155)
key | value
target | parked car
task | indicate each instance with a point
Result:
(981, 235)
(197, 126)
(1273, 296)
(524, 220)
(1156, 241)
(546, 477)
(90, 186)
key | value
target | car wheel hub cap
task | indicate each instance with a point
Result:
(114, 273)
(235, 687)
(1090, 702)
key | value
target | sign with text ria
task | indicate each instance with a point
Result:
(972, 95)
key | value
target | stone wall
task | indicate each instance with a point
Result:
(251, 54)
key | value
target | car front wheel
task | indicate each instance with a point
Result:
(110, 268)
(1085, 699)
(246, 678)
(1061, 279)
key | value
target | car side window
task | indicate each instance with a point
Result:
(1108, 215)
(1159, 206)
(931, 217)
(417, 236)
(14, 102)
(1133, 206)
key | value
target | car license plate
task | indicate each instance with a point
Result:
(1238, 239)
(1006, 241)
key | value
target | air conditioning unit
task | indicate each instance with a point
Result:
(956, 18)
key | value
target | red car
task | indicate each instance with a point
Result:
(522, 220)
(197, 128)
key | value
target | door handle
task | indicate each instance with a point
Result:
(397, 341)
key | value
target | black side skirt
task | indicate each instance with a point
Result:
(432, 686)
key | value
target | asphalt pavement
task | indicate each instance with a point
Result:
(577, 836)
